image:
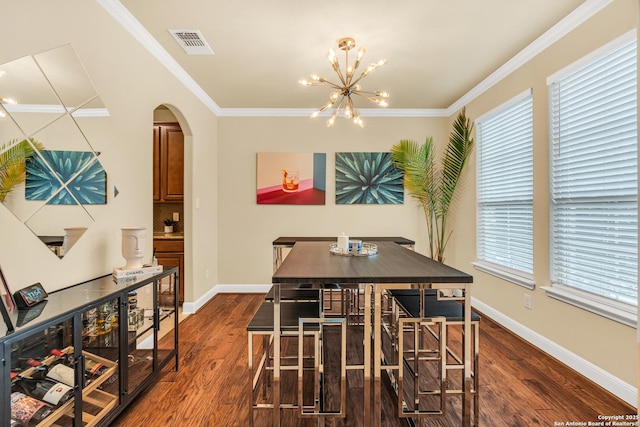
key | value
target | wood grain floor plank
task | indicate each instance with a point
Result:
(519, 384)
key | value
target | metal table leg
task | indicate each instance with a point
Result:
(367, 355)
(377, 356)
(467, 385)
(276, 355)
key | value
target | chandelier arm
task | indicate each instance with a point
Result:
(360, 77)
(372, 99)
(342, 78)
(332, 85)
(370, 70)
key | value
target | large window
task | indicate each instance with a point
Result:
(505, 191)
(594, 206)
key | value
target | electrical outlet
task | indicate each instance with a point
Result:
(527, 301)
(176, 216)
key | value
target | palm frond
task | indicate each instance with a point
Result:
(13, 156)
(458, 150)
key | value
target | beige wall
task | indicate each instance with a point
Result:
(247, 229)
(605, 343)
(132, 85)
(229, 236)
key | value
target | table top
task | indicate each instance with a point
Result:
(311, 262)
(290, 241)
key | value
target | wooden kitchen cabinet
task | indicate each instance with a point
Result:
(170, 253)
(168, 163)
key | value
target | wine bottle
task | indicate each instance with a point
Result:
(93, 368)
(63, 374)
(28, 411)
(54, 393)
(56, 371)
(61, 357)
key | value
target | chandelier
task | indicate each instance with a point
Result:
(341, 99)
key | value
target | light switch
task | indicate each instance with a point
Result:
(176, 216)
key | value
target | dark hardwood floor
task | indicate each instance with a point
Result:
(519, 385)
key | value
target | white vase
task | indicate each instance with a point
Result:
(71, 236)
(133, 240)
(168, 228)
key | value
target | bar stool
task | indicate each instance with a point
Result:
(262, 324)
(306, 293)
(408, 304)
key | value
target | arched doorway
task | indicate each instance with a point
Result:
(170, 225)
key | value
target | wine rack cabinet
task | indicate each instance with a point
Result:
(90, 324)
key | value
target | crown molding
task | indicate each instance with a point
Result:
(133, 26)
(306, 112)
(567, 24)
(583, 12)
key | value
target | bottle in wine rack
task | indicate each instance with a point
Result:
(57, 371)
(54, 393)
(28, 411)
(61, 357)
(93, 369)
(62, 373)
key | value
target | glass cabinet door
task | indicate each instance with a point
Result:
(42, 376)
(141, 338)
(99, 360)
(167, 295)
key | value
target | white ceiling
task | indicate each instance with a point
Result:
(439, 52)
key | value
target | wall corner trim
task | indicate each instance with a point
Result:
(192, 307)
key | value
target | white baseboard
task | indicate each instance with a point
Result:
(192, 307)
(604, 379)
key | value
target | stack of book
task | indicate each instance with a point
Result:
(122, 276)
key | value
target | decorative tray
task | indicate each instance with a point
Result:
(368, 249)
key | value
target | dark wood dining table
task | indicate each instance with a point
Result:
(392, 267)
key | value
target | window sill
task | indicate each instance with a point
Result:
(617, 311)
(505, 273)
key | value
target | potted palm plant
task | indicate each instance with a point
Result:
(433, 183)
(13, 157)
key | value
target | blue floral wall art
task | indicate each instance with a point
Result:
(368, 178)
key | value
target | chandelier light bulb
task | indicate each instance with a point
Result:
(331, 56)
(348, 84)
(2, 114)
(7, 100)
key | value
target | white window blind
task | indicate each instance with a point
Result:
(505, 187)
(594, 207)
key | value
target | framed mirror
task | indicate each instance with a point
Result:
(51, 177)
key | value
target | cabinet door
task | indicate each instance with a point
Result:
(156, 163)
(100, 356)
(43, 370)
(141, 337)
(169, 259)
(172, 163)
(167, 319)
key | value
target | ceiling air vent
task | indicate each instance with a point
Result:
(192, 42)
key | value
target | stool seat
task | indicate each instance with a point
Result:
(412, 292)
(262, 320)
(453, 311)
